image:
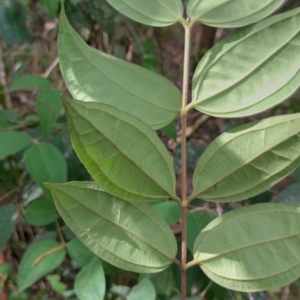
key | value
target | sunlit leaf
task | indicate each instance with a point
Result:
(248, 159)
(12, 142)
(38, 260)
(90, 281)
(261, 251)
(129, 235)
(123, 154)
(94, 76)
(234, 13)
(153, 13)
(252, 70)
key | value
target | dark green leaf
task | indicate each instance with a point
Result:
(170, 211)
(79, 252)
(291, 195)
(30, 82)
(51, 7)
(7, 223)
(12, 142)
(38, 260)
(143, 290)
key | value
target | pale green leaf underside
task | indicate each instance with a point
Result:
(123, 154)
(248, 159)
(129, 235)
(260, 253)
(231, 13)
(154, 13)
(251, 70)
(91, 75)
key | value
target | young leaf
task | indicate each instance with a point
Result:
(248, 159)
(122, 153)
(12, 142)
(251, 70)
(143, 290)
(153, 13)
(95, 76)
(236, 13)
(45, 162)
(261, 251)
(90, 281)
(129, 235)
(48, 106)
(7, 223)
(30, 82)
(38, 260)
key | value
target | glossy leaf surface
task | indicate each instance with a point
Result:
(45, 163)
(261, 251)
(122, 153)
(90, 281)
(35, 263)
(12, 142)
(250, 71)
(236, 13)
(248, 159)
(143, 290)
(153, 13)
(94, 76)
(129, 235)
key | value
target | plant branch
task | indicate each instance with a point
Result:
(186, 67)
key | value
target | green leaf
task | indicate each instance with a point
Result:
(248, 159)
(291, 195)
(30, 82)
(79, 252)
(136, 238)
(261, 251)
(170, 130)
(236, 13)
(51, 7)
(262, 65)
(169, 210)
(90, 281)
(95, 76)
(45, 163)
(122, 153)
(38, 260)
(7, 223)
(55, 283)
(143, 290)
(12, 142)
(48, 106)
(13, 27)
(153, 13)
(196, 221)
(40, 212)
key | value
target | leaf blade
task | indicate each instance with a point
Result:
(234, 168)
(268, 75)
(228, 14)
(141, 250)
(155, 13)
(103, 136)
(91, 75)
(251, 259)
